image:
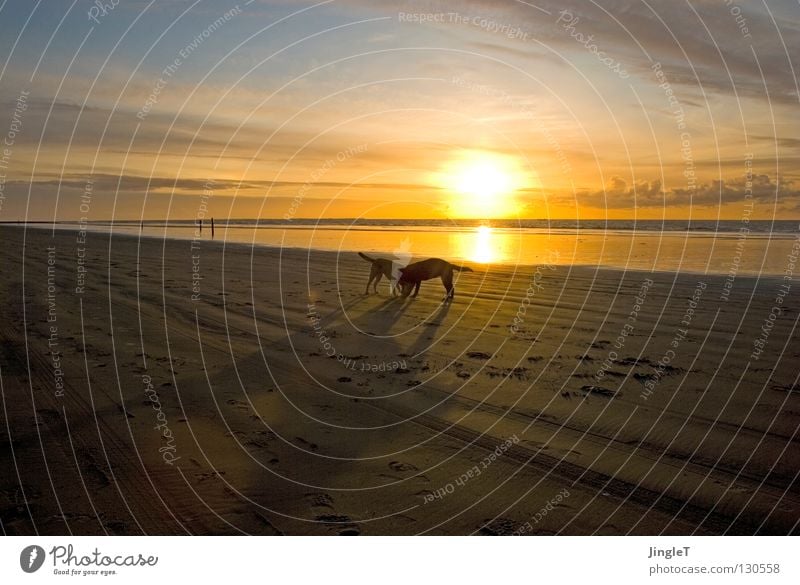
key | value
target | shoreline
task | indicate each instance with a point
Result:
(400, 226)
(235, 244)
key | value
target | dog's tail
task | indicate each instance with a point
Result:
(365, 257)
(462, 268)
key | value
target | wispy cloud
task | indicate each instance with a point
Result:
(759, 188)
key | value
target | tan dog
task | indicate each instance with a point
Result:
(380, 267)
(414, 274)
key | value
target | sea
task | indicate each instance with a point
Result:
(754, 247)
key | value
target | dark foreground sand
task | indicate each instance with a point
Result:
(223, 414)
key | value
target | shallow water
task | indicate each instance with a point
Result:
(656, 246)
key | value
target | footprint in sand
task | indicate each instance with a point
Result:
(323, 510)
(499, 527)
(117, 528)
(319, 500)
(302, 441)
(201, 477)
(519, 372)
(599, 391)
(258, 442)
(400, 466)
(238, 404)
(344, 525)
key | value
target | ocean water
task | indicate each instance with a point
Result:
(765, 248)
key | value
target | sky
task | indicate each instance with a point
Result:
(617, 109)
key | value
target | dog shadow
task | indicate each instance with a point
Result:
(380, 319)
(429, 330)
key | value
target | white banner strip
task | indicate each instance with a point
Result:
(399, 560)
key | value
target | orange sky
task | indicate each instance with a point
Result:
(356, 110)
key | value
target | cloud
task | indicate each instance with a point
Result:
(701, 45)
(111, 183)
(793, 143)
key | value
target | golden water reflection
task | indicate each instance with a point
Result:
(485, 245)
(488, 245)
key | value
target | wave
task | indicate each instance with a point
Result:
(539, 225)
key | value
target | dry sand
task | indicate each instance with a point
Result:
(437, 419)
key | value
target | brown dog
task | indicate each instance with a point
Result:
(380, 267)
(414, 274)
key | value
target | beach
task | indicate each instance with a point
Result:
(168, 387)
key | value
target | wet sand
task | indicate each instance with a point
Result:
(228, 389)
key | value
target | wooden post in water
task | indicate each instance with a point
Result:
(212, 228)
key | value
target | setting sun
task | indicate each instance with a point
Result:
(483, 185)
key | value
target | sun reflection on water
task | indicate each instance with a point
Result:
(484, 245)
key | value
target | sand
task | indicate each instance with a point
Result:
(543, 400)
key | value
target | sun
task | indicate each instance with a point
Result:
(483, 185)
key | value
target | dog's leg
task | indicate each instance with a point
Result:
(447, 281)
(388, 275)
(377, 280)
(416, 290)
(372, 274)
